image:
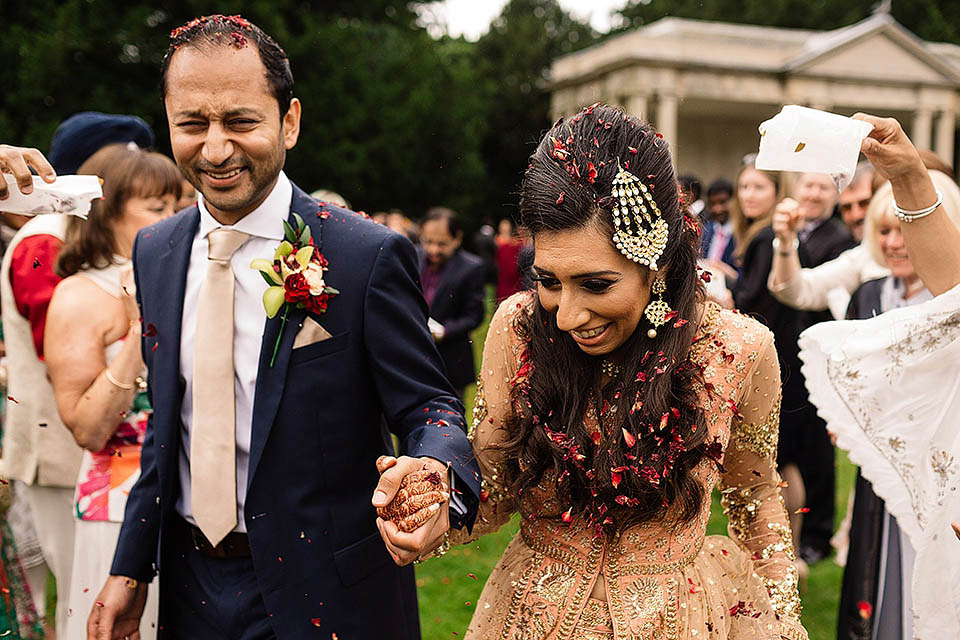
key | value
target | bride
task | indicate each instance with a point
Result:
(611, 401)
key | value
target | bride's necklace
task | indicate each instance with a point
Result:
(609, 369)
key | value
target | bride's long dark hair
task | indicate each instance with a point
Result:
(613, 482)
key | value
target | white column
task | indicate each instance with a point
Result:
(638, 105)
(667, 120)
(946, 127)
(922, 128)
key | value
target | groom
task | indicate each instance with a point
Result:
(258, 468)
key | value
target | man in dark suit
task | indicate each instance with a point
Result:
(270, 531)
(453, 287)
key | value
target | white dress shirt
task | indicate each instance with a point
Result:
(265, 227)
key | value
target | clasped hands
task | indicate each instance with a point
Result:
(412, 501)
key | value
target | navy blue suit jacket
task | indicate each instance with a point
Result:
(318, 427)
(458, 305)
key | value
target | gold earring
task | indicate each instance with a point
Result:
(657, 310)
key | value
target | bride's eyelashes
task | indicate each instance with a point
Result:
(597, 285)
(592, 285)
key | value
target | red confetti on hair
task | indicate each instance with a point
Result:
(315, 621)
(567, 515)
(616, 478)
(632, 150)
(591, 173)
(659, 135)
(560, 198)
(629, 438)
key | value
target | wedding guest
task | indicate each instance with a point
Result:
(188, 195)
(484, 246)
(19, 619)
(879, 568)
(611, 401)
(806, 455)
(39, 454)
(690, 189)
(717, 243)
(886, 387)
(829, 285)
(257, 473)
(453, 285)
(92, 348)
(334, 198)
(509, 245)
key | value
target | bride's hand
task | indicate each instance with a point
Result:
(419, 496)
(406, 547)
(956, 529)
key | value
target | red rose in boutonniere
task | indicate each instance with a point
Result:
(295, 276)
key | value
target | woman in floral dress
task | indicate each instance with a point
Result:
(93, 355)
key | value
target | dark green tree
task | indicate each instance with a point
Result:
(513, 60)
(392, 118)
(931, 20)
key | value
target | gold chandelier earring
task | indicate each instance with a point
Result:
(657, 310)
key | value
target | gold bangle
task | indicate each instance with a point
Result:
(439, 552)
(120, 385)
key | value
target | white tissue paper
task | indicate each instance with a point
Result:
(811, 141)
(67, 194)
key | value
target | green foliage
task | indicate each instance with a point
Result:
(392, 118)
(513, 60)
(929, 19)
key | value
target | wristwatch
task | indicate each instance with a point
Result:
(785, 252)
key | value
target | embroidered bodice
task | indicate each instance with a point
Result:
(659, 582)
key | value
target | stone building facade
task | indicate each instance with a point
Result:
(707, 85)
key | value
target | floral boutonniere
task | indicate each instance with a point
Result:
(295, 276)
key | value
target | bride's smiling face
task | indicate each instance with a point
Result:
(597, 295)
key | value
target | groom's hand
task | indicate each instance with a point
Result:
(117, 610)
(404, 548)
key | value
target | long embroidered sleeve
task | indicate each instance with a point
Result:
(750, 489)
(492, 408)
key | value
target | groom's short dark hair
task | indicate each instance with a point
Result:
(236, 31)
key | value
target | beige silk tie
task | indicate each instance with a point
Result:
(213, 439)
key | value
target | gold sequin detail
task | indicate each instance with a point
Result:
(760, 437)
(644, 599)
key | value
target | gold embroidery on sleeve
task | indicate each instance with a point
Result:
(760, 437)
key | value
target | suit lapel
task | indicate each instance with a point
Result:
(168, 288)
(272, 379)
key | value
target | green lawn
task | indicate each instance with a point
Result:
(448, 587)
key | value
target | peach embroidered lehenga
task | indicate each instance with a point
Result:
(659, 583)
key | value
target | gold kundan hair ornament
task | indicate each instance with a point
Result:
(657, 310)
(642, 246)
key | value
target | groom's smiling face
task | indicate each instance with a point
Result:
(226, 130)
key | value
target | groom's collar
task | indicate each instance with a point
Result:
(266, 221)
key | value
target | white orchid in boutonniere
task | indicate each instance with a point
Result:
(295, 276)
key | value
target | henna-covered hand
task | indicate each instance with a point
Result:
(420, 495)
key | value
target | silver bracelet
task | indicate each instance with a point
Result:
(909, 216)
(786, 252)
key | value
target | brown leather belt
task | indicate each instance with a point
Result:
(234, 545)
